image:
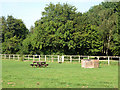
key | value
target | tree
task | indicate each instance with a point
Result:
(53, 32)
(14, 32)
(105, 17)
(62, 30)
(31, 29)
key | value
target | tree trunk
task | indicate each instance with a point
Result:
(109, 39)
(104, 49)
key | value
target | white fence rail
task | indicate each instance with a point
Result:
(58, 58)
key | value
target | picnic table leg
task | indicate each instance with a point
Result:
(32, 65)
(35, 65)
(39, 65)
(46, 65)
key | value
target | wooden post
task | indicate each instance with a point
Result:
(62, 58)
(9, 56)
(58, 58)
(28, 57)
(79, 59)
(108, 60)
(98, 58)
(13, 57)
(88, 57)
(45, 58)
(39, 57)
(18, 57)
(70, 58)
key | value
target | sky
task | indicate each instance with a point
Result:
(31, 10)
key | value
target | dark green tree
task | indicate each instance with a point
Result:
(62, 30)
(14, 32)
(53, 32)
(105, 17)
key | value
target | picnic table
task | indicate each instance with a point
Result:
(39, 64)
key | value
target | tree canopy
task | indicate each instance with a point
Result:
(63, 30)
(13, 33)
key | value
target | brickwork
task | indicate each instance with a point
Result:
(87, 63)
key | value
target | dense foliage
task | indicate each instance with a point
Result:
(63, 30)
(13, 33)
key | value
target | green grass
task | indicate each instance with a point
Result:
(18, 74)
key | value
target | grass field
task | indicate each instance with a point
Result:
(18, 74)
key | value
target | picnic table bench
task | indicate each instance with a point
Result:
(39, 64)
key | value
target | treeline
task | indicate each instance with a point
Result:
(63, 30)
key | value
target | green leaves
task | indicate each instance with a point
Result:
(14, 31)
(62, 30)
(54, 29)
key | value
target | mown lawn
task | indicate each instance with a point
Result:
(18, 74)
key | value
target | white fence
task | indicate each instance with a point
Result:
(58, 58)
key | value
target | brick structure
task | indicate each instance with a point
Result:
(87, 63)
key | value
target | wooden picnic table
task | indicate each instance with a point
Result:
(39, 63)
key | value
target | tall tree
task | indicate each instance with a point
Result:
(53, 32)
(62, 30)
(14, 32)
(105, 17)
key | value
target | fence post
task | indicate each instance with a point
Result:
(9, 56)
(58, 58)
(39, 57)
(13, 57)
(28, 57)
(108, 60)
(45, 58)
(18, 57)
(70, 58)
(62, 58)
(79, 59)
(88, 57)
(98, 58)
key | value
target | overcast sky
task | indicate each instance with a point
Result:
(30, 10)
